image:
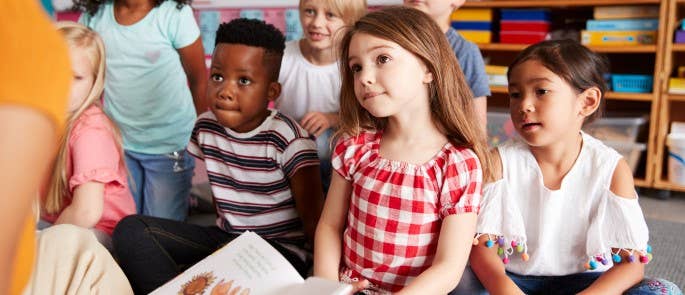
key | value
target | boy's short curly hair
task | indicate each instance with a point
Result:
(255, 33)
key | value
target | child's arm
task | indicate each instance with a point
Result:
(489, 269)
(305, 185)
(328, 242)
(317, 122)
(485, 262)
(193, 61)
(454, 245)
(622, 275)
(86, 206)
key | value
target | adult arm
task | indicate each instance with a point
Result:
(193, 61)
(306, 188)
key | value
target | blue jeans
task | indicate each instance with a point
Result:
(569, 284)
(161, 184)
(323, 149)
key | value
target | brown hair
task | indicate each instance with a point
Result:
(78, 36)
(572, 62)
(451, 102)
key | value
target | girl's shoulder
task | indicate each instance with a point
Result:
(93, 118)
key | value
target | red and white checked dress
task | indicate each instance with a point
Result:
(396, 208)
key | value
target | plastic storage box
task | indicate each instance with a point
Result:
(632, 83)
(500, 127)
(631, 151)
(619, 129)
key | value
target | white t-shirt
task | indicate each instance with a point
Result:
(306, 87)
(561, 230)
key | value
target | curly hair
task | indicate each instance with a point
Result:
(255, 33)
(92, 6)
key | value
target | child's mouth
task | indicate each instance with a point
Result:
(530, 126)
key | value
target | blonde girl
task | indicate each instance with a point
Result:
(88, 185)
(309, 76)
(409, 165)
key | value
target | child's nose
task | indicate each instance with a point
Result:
(319, 20)
(366, 77)
(226, 93)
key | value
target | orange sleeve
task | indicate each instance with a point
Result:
(36, 73)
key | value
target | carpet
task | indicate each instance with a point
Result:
(668, 247)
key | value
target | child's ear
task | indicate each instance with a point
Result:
(590, 100)
(456, 4)
(427, 77)
(274, 91)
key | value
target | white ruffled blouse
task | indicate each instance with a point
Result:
(558, 232)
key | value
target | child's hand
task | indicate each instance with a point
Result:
(315, 123)
(359, 286)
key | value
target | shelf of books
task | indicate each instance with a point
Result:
(567, 3)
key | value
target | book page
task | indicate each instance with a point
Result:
(246, 265)
(319, 286)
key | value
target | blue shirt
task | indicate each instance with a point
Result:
(146, 89)
(471, 63)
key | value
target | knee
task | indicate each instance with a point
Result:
(655, 286)
(130, 229)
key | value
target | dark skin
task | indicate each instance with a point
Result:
(241, 85)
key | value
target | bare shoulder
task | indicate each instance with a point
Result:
(622, 183)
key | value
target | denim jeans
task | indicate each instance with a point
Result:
(569, 284)
(323, 149)
(160, 184)
(152, 251)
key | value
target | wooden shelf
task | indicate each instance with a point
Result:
(667, 185)
(641, 182)
(548, 3)
(609, 95)
(676, 97)
(679, 47)
(603, 49)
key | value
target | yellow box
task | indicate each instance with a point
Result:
(472, 14)
(623, 12)
(676, 85)
(495, 70)
(477, 36)
(617, 38)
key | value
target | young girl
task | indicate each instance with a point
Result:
(153, 53)
(407, 189)
(88, 185)
(563, 218)
(309, 76)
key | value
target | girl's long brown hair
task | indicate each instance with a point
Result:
(77, 36)
(451, 100)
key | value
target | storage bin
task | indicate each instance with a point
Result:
(676, 157)
(500, 128)
(631, 83)
(631, 151)
(620, 129)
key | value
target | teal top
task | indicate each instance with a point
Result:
(146, 89)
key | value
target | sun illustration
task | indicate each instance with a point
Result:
(197, 284)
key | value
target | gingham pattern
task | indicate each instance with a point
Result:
(396, 207)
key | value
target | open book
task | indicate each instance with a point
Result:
(248, 265)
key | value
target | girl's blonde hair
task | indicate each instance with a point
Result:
(77, 36)
(349, 10)
(451, 100)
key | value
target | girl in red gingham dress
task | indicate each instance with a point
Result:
(401, 210)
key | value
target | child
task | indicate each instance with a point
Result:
(407, 189)
(310, 78)
(468, 54)
(565, 206)
(88, 185)
(262, 167)
(153, 53)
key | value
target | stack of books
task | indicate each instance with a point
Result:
(497, 75)
(621, 26)
(474, 24)
(524, 26)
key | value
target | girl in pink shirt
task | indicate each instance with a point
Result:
(88, 185)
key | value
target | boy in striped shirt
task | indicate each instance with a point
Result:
(263, 167)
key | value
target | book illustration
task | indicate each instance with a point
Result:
(248, 265)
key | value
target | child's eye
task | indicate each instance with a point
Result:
(309, 11)
(330, 15)
(514, 95)
(382, 59)
(244, 81)
(77, 77)
(355, 68)
(217, 78)
(541, 91)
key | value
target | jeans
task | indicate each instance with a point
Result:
(323, 149)
(152, 251)
(161, 184)
(569, 284)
